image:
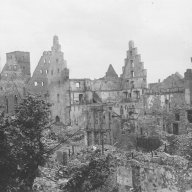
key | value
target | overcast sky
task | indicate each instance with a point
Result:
(95, 33)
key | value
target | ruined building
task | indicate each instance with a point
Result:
(105, 107)
(14, 78)
(51, 80)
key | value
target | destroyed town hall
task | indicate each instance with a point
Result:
(112, 105)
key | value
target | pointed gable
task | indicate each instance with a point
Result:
(111, 72)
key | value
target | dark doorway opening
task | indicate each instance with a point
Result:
(57, 119)
(175, 128)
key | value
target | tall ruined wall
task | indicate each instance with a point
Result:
(58, 84)
(134, 75)
(59, 98)
(17, 66)
(39, 82)
(14, 77)
(11, 93)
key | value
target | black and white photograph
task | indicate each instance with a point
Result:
(95, 96)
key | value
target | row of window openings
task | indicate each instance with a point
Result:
(12, 67)
(129, 95)
(46, 71)
(36, 83)
(57, 60)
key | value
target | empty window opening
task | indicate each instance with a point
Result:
(121, 110)
(77, 85)
(175, 128)
(132, 73)
(137, 93)
(166, 101)
(41, 71)
(109, 116)
(189, 116)
(80, 98)
(15, 100)
(132, 64)
(58, 98)
(42, 83)
(35, 83)
(132, 84)
(177, 117)
(57, 119)
(46, 71)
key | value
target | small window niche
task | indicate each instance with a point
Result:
(15, 100)
(132, 74)
(132, 64)
(41, 71)
(77, 84)
(35, 83)
(177, 117)
(189, 116)
(57, 119)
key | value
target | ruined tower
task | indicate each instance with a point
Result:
(17, 66)
(14, 77)
(58, 84)
(134, 76)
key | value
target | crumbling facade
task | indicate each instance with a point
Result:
(169, 102)
(14, 78)
(51, 80)
(123, 99)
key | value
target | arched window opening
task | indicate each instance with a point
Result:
(57, 119)
(132, 73)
